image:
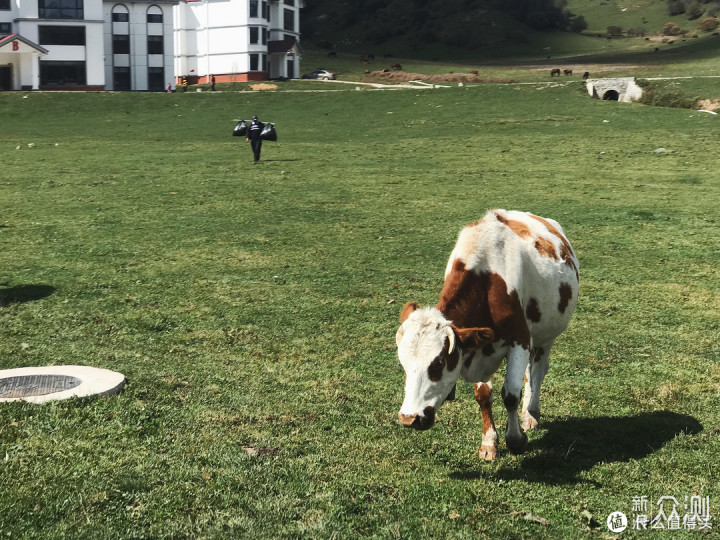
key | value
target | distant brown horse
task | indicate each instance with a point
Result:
(396, 67)
(555, 71)
(567, 71)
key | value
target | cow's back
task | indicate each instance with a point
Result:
(515, 272)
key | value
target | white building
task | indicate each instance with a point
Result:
(145, 44)
(237, 40)
(138, 44)
(51, 44)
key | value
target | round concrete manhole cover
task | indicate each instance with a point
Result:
(40, 384)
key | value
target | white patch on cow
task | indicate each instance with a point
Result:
(420, 339)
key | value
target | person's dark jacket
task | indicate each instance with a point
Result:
(254, 130)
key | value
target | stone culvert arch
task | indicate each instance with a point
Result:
(617, 89)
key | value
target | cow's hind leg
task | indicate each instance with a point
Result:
(483, 395)
(517, 362)
(536, 371)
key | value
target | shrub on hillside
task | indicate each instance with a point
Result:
(637, 32)
(614, 31)
(659, 97)
(671, 29)
(708, 24)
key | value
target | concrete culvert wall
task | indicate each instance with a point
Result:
(617, 89)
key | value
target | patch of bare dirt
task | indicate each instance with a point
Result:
(708, 104)
(263, 86)
(402, 77)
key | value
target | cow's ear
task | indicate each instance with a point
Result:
(474, 338)
(407, 310)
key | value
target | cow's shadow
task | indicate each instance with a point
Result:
(24, 293)
(573, 445)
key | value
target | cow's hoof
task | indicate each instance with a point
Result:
(517, 445)
(488, 453)
(529, 423)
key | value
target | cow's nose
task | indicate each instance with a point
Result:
(407, 420)
(416, 421)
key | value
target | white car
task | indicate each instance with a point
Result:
(320, 74)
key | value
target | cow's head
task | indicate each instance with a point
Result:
(430, 349)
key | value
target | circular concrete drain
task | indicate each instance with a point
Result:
(41, 384)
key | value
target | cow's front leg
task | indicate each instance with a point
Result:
(517, 362)
(483, 395)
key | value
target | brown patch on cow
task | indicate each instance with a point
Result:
(533, 310)
(546, 248)
(518, 227)
(566, 252)
(407, 310)
(565, 297)
(445, 358)
(483, 395)
(482, 300)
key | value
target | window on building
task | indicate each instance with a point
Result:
(60, 9)
(254, 34)
(119, 16)
(289, 2)
(154, 17)
(156, 79)
(5, 29)
(62, 73)
(254, 62)
(266, 11)
(253, 8)
(155, 45)
(61, 35)
(121, 44)
(264, 62)
(289, 20)
(121, 79)
(264, 36)
(5, 4)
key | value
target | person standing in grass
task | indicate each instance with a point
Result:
(253, 135)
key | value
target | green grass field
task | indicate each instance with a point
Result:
(253, 310)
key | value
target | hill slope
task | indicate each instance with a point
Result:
(474, 29)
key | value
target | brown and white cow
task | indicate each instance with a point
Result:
(511, 286)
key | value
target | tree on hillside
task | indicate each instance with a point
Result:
(675, 7)
(576, 23)
(695, 10)
(537, 14)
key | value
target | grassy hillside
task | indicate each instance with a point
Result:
(480, 29)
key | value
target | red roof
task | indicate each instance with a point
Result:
(17, 37)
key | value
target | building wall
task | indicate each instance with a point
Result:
(138, 60)
(213, 37)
